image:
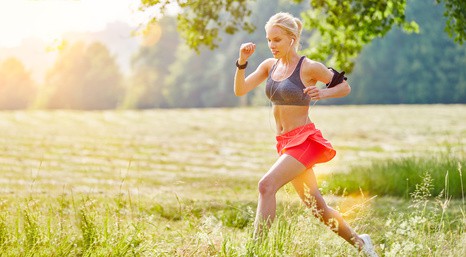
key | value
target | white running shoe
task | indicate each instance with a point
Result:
(368, 249)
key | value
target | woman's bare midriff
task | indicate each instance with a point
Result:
(289, 117)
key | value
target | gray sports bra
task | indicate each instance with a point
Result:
(288, 91)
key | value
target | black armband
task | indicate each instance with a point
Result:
(337, 78)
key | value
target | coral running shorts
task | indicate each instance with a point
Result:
(306, 144)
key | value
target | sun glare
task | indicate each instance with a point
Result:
(50, 19)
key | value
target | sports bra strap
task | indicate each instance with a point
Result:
(273, 67)
(298, 67)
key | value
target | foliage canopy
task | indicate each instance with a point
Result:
(343, 26)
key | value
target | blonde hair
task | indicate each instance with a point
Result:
(290, 24)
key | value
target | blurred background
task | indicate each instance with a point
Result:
(94, 55)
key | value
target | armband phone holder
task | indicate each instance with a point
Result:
(337, 78)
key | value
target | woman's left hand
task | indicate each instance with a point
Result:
(314, 92)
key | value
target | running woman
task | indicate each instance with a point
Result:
(290, 86)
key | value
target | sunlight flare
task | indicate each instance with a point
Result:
(49, 20)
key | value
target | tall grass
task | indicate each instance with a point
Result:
(47, 227)
(426, 225)
(429, 220)
(400, 176)
(119, 226)
(168, 183)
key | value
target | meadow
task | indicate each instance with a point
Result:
(183, 182)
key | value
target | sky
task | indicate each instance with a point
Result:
(49, 19)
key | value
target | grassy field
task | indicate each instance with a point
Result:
(183, 182)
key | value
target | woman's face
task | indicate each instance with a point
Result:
(280, 43)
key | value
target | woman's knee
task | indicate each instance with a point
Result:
(266, 187)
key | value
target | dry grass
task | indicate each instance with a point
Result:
(183, 182)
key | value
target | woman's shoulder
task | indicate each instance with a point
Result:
(315, 71)
(267, 64)
(311, 65)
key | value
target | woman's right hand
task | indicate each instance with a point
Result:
(245, 51)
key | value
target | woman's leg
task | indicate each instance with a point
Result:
(285, 169)
(307, 189)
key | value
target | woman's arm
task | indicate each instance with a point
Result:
(243, 85)
(341, 90)
(321, 73)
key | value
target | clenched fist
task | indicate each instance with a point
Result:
(245, 51)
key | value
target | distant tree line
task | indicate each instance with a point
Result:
(424, 67)
(418, 68)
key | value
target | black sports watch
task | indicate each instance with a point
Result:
(243, 66)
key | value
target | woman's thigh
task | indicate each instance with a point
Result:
(284, 170)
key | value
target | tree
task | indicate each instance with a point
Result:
(184, 86)
(455, 11)
(17, 89)
(83, 77)
(102, 83)
(205, 79)
(343, 26)
(427, 67)
(200, 22)
(150, 66)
